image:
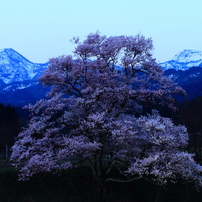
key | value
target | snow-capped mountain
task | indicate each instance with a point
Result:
(19, 79)
(184, 60)
(186, 69)
(16, 68)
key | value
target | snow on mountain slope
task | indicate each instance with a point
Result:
(19, 76)
(188, 56)
(16, 68)
(184, 60)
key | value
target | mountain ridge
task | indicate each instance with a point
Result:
(19, 83)
(16, 68)
(190, 80)
(19, 78)
(184, 60)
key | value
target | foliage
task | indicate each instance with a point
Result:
(90, 116)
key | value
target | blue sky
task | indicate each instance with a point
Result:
(41, 29)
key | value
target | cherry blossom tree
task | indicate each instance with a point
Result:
(90, 115)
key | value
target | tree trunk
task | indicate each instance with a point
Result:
(7, 154)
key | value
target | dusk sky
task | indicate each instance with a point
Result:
(42, 29)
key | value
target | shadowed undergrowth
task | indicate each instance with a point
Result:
(78, 185)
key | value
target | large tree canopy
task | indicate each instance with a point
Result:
(90, 115)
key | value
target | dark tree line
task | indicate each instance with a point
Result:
(9, 127)
(190, 115)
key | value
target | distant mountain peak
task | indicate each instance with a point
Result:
(3, 49)
(184, 60)
(188, 55)
(6, 49)
(9, 52)
(16, 68)
(19, 78)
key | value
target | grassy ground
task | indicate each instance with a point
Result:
(78, 185)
